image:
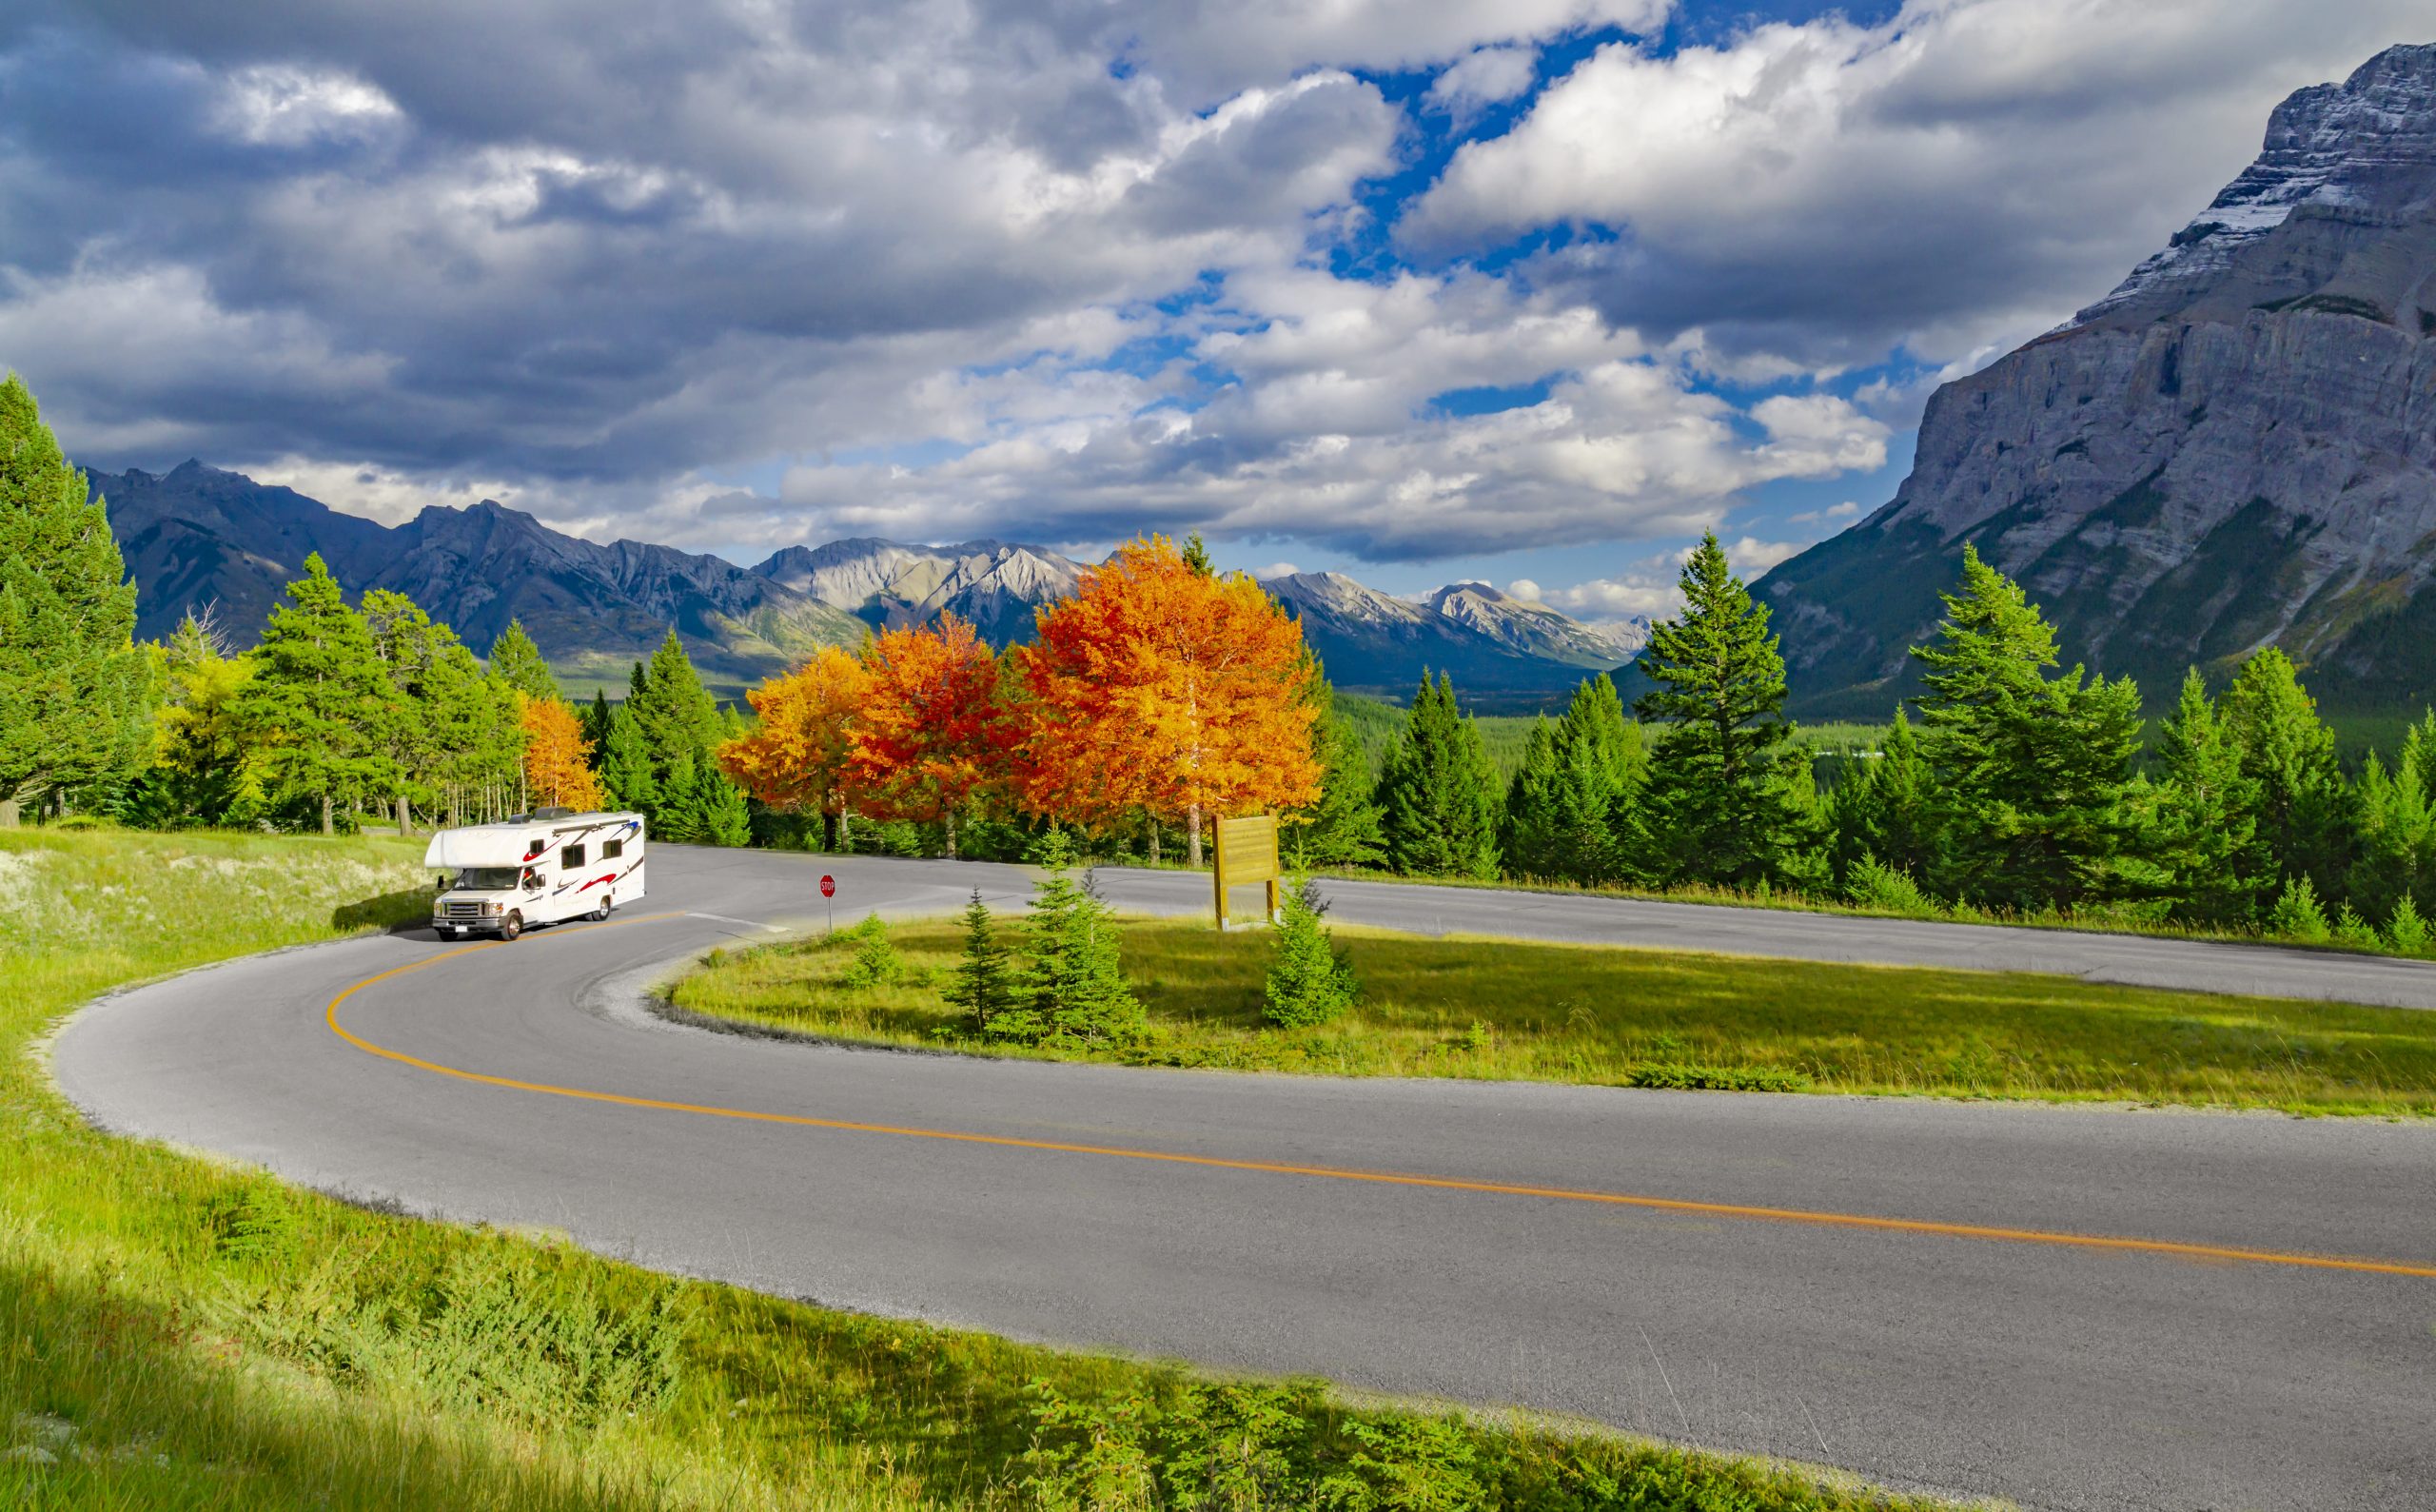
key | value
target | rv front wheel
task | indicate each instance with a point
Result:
(512, 926)
(602, 912)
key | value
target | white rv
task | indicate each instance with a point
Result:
(550, 865)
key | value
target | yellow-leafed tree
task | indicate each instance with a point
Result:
(797, 757)
(556, 770)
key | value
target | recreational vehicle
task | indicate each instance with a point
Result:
(549, 865)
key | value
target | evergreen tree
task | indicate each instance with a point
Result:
(1343, 828)
(1074, 988)
(596, 726)
(677, 817)
(1196, 556)
(626, 766)
(75, 696)
(1729, 795)
(515, 658)
(2298, 914)
(678, 716)
(2032, 771)
(984, 985)
(1309, 980)
(1566, 803)
(476, 736)
(2395, 817)
(320, 704)
(2304, 812)
(1437, 799)
(410, 647)
(1885, 809)
(724, 817)
(2205, 815)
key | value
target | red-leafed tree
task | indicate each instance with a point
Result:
(1163, 689)
(934, 733)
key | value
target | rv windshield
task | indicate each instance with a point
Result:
(487, 878)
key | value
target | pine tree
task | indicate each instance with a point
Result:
(75, 694)
(1342, 829)
(723, 817)
(321, 704)
(676, 713)
(1885, 809)
(2033, 772)
(1728, 793)
(626, 766)
(2298, 914)
(2204, 811)
(1309, 980)
(515, 658)
(2304, 815)
(2394, 818)
(1074, 988)
(1437, 796)
(984, 985)
(677, 817)
(1196, 556)
(596, 726)
(1565, 808)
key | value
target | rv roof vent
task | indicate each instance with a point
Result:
(554, 813)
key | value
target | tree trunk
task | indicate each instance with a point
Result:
(845, 828)
(8, 819)
(1155, 841)
(406, 816)
(326, 827)
(951, 819)
(1193, 836)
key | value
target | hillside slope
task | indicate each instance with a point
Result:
(2236, 446)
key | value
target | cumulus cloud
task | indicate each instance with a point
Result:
(1650, 588)
(1969, 170)
(1485, 77)
(1849, 509)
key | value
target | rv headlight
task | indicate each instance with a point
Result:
(493, 908)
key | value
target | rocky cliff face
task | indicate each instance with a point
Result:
(2236, 446)
(1487, 641)
(994, 587)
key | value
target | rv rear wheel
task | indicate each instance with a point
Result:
(512, 926)
(602, 912)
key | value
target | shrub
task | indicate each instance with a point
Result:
(2298, 914)
(1873, 884)
(1309, 980)
(2407, 932)
(1716, 1078)
(876, 962)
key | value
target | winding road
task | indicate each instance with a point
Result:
(2067, 1308)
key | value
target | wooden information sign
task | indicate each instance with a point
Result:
(1245, 851)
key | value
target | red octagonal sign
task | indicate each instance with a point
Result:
(827, 886)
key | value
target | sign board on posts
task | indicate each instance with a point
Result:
(827, 886)
(1245, 851)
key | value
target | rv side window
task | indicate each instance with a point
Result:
(571, 859)
(611, 850)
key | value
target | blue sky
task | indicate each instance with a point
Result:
(1530, 292)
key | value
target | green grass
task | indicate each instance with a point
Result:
(178, 1333)
(1505, 1009)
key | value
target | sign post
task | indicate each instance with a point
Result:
(829, 891)
(1243, 852)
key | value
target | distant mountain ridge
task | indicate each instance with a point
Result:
(196, 536)
(2236, 446)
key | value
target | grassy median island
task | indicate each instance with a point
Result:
(1517, 1010)
(176, 1333)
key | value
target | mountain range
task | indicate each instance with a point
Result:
(2235, 446)
(196, 537)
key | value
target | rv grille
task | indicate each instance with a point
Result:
(464, 910)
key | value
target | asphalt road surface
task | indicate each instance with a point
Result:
(1710, 1268)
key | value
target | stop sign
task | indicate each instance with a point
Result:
(827, 886)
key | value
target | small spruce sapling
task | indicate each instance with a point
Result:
(1074, 990)
(1309, 980)
(876, 962)
(2352, 930)
(2298, 914)
(2407, 932)
(983, 986)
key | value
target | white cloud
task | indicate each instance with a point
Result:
(1525, 589)
(1485, 77)
(282, 104)
(1849, 509)
(1750, 557)
(1964, 173)
(1275, 569)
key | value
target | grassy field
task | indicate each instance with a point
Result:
(1508, 1009)
(175, 1333)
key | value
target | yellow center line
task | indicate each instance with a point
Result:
(1816, 1218)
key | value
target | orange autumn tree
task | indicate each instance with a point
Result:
(935, 732)
(1162, 690)
(797, 758)
(556, 766)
